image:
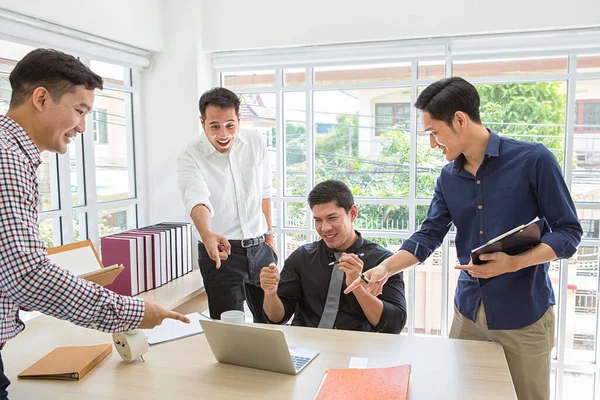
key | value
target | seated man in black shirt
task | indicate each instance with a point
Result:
(303, 288)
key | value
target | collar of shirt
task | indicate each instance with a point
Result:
(209, 149)
(352, 249)
(492, 150)
(22, 138)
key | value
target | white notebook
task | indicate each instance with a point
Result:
(171, 329)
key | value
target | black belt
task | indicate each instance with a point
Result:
(245, 243)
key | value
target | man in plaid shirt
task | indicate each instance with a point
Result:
(52, 92)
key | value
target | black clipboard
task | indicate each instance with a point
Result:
(513, 242)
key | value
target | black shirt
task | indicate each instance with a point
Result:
(305, 281)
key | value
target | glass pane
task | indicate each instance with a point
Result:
(292, 242)
(392, 244)
(47, 175)
(295, 215)
(11, 52)
(295, 76)
(50, 231)
(428, 301)
(578, 385)
(114, 166)
(581, 313)
(509, 67)
(115, 74)
(429, 161)
(5, 92)
(76, 168)
(590, 221)
(382, 216)
(362, 139)
(588, 63)
(533, 112)
(294, 117)
(362, 73)
(80, 230)
(249, 79)
(258, 114)
(432, 70)
(116, 220)
(586, 144)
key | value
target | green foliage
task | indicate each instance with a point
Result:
(533, 112)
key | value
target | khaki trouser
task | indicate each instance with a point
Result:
(527, 350)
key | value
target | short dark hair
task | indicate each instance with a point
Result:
(56, 71)
(220, 97)
(442, 99)
(331, 190)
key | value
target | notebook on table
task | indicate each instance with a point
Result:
(365, 384)
(513, 242)
(67, 363)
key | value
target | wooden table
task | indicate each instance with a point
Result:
(186, 369)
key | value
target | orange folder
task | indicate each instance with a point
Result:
(365, 384)
(69, 363)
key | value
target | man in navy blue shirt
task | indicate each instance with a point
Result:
(491, 185)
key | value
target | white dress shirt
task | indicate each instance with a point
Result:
(231, 185)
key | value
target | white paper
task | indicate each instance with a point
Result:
(171, 329)
(358, 362)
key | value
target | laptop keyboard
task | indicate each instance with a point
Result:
(299, 362)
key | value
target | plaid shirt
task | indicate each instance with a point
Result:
(28, 279)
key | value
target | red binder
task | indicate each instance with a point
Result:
(365, 384)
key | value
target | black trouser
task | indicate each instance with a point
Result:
(4, 382)
(237, 280)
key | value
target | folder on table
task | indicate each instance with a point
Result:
(365, 384)
(513, 242)
(67, 363)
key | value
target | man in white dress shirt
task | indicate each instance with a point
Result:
(225, 182)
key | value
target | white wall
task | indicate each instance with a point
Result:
(234, 24)
(170, 88)
(134, 22)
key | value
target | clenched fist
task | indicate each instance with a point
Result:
(269, 279)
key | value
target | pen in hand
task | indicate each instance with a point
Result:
(331, 264)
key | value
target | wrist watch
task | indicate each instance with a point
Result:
(270, 233)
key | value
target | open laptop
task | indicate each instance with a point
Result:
(255, 347)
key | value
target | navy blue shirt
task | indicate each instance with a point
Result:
(516, 182)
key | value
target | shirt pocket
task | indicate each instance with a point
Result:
(253, 180)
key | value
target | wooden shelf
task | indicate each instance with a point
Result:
(176, 292)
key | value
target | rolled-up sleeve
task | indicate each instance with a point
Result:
(555, 203)
(393, 316)
(191, 183)
(427, 239)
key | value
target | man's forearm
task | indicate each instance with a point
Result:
(399, 262)
(273, 307)
(266, 209)
(371, 305)
(539, 254)
(201, 217)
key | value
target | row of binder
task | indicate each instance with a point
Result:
(152, 256)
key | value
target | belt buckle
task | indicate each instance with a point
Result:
(247, 243)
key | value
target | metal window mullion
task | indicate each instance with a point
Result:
(89, 167)
(66, 201)
(411, 278)
(310, 146)
(142, 195)
(562, 327)
(279, 164)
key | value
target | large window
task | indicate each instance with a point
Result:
(89, 192)
(354, 121)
